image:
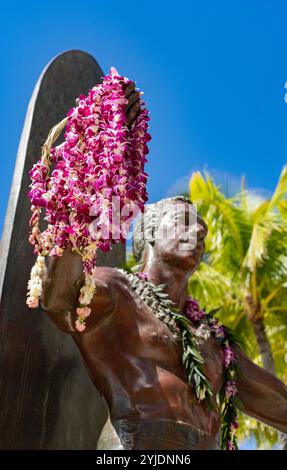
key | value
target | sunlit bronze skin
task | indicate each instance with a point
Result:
(132, 357)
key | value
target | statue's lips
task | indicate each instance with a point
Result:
(187, 247)
(194, 246)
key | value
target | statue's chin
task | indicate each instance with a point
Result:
(189, 257)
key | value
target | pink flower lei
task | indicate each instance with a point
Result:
(100, 160)
(229, 390)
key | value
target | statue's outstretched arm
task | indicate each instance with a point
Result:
(61, 291)
(262, 395)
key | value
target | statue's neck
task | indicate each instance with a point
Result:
(176, 280)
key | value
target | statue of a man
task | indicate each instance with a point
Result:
(133, 357)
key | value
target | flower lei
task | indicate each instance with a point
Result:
(228, 392)
(100, 158)
(193, 361)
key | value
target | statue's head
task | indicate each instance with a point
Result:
(173, 231)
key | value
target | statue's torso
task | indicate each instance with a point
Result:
(136, 364)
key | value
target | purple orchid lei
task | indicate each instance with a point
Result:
(227, 395)
(100, 159)
(229, 390)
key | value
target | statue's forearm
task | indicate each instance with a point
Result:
(61, 289)
(262, 395)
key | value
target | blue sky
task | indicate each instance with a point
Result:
(213, 74)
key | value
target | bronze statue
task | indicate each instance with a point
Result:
(133, 358)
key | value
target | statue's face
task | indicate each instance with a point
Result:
(180, 237)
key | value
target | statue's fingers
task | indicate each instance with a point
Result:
(133, 113)
(129, 88)
(133, 98)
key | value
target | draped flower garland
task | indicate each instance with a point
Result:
(100, 161)
(228, 394)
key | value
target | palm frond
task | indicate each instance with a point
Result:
(209, 286)
(280, 190)
(229, 225)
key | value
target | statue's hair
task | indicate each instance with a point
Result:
(147, 225)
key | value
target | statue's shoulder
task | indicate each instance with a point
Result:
(111, 284)
(112, 277)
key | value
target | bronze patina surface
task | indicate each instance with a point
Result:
(136, 362)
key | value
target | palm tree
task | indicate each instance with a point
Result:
(244, 273)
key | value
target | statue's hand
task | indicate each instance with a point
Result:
(133, 106)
